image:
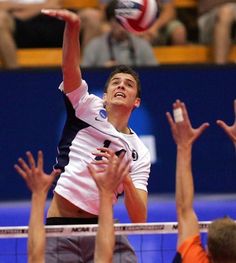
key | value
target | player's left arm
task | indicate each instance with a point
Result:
(135, 201)
(135, 189)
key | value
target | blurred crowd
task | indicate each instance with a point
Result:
(105, 43)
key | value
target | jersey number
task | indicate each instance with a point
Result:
(106, 144)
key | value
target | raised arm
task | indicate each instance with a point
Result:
(107, 181)
(184, 136)
(39, 184)
(229, 130)
(71, 48)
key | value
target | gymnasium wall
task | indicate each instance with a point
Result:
(32, 116)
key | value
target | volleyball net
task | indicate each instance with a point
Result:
(152, 242)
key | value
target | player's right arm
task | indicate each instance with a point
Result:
(71, 48)
(184, 136)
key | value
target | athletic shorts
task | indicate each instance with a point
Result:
(81, 249)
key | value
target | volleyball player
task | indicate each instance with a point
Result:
(222, 232)
(39, 183)
(107, 182)
(93, 123)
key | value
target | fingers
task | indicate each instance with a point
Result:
(55, 173)
(31, 160)
(29, 169)
(62, 14)
(113, 163)
(170, 119)
(104, 152)
(24, 166)
(40, 160)
(222, 124)
(92, 171)
(202, 128)
(180, 113)
(20, 171)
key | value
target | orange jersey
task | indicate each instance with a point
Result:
(191, 251)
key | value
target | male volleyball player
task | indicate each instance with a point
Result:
(93, 123)
(39, 183)
(222, 232)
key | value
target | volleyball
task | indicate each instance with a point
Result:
(136, 15)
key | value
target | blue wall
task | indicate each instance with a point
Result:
(32, 116)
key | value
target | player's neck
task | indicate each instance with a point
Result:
(120, 123)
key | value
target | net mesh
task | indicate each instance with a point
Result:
(152, 242)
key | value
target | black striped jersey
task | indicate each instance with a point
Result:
(86, 129)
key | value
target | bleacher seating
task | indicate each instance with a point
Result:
(77, 4)
(166, 55)
(185, 3)
(44, 57)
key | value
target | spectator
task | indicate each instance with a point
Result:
(166, 30)
(117, 46)
(215, 21)
(23, 26)
(222, 232)
(93, 22)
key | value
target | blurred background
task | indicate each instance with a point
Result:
(184, 65)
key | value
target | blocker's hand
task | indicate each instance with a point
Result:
(229, 130)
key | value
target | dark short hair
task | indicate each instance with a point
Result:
(126, 70)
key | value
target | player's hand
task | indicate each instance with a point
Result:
(32, 172)
(63, 14)
(229, 130)
(112, 172)
(182, 131)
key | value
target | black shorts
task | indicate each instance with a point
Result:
(39, 31)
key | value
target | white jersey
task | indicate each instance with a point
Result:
(86, 129)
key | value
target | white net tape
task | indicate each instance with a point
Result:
(90, 230)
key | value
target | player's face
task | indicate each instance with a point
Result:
(122, 90)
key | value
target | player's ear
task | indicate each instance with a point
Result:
(137, 102)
